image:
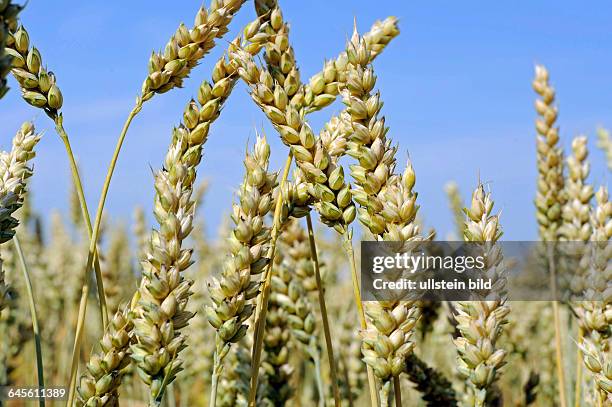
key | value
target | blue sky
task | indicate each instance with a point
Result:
(456, 85)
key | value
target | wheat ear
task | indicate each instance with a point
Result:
(549, 198)
(387, 208)
(479, 323)
(99, 385)
(455, 202)
(187, 47)
(324, 87)
(8, 23)
(293, 287)
(596, 315)
(549, 194)
(176, 182)
(233, 293)
(14, 172)
(604, 142)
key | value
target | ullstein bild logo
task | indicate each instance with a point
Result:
(464, 271)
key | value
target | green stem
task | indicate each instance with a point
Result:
(350, 252)
(578, 388)
(33, 315)
(76, 179)
(384, 394)
(557, 322)
(326, 330)
(92, 249)
(74, 367)
(316, 358)
(216, 374)
(170, 399)
(262, 306)
(397, 391)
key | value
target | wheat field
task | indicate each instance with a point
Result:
(270, 310)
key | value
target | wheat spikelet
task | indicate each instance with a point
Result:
(480, 322)
(8, 23)
(549, 198)
(186, 47)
